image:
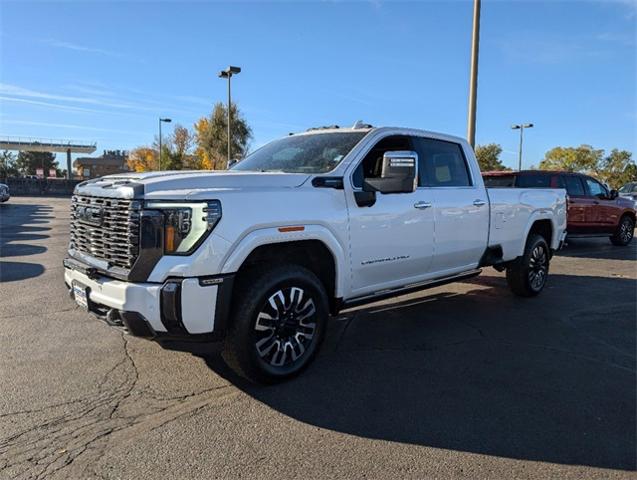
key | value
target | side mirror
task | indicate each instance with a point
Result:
(614, 194)
(399, 174)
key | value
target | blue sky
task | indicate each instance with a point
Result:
(104, 71)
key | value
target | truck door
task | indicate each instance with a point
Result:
(391, 241)
(604, 214)
(462, 205)
(578, 204)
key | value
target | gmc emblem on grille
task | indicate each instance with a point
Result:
(90, 215)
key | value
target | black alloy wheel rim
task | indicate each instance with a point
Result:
(626, 230)
(285, 327)
(538, 268)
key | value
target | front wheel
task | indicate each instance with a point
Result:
(527, 275)
(624, 233)
(279, 321)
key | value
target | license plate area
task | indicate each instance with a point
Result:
(80, 294)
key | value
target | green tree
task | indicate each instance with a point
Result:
(7, 164)
(489, 157)
(573, 159)
(617, 168)
(28, 162)
(212, 138)
(176, 149)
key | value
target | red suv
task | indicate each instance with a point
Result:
(593, 210)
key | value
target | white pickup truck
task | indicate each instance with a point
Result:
(307, 225)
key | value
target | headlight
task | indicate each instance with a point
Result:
(186, 224)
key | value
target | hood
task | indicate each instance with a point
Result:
(185, 183)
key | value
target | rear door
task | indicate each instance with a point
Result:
(578, 204)
(461, 205)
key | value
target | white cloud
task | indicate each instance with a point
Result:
(66, 126)
(80, 48)
(54, 106)
(14, 91)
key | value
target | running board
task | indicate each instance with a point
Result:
(411, 288)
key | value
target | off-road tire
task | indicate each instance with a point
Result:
(253, 303)
(522, 273)
(624, 233)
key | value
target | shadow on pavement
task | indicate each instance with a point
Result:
(536, 379)
(12, 271)
(16, 228)
(599, 248)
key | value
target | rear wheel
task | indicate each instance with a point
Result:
(527, 275)
(279, 321)
(624, 233)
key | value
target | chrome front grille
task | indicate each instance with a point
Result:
(106, 229)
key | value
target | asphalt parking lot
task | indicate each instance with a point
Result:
(464, 380)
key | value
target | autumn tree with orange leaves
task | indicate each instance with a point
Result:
(142, 159)
(209, 141)
(211, 136)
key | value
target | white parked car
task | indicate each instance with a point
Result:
(4, 192)
(629, 191)
(307, 225)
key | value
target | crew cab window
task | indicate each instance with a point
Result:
(441, 164)
(372, 164)
(539, 180)
(596, 189)
(574, 186)
(533, 181)
(499, 181)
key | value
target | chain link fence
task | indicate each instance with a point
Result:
(40, 186)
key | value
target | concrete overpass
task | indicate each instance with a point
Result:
(47, 145)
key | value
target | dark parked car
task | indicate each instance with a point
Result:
(593, 209)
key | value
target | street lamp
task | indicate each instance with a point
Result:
(473, 75)
(521, 127)
(228, 73)
(161, 120)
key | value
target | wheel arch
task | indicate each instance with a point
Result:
(543, 226)
(628, 213)
(313, 248)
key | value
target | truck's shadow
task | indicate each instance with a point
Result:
(482, 372)
(19, 225)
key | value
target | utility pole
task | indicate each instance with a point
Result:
(473, 76)
(228, 73)
(521, 127)
(161, 120)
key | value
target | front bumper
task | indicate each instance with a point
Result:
(190, 309)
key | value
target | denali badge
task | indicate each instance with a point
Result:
(90, 215)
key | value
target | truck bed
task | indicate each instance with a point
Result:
(513, 211)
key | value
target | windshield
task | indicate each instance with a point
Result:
(627, 188)
(315, 153)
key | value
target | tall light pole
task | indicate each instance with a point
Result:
(521, 127)
(161, 120)
(473, 76)
(228, 73)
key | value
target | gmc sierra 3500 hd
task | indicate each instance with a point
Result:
(307, 225)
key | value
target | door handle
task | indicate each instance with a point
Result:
(422, 205)
(479, 203)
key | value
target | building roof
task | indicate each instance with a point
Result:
(116, 158)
